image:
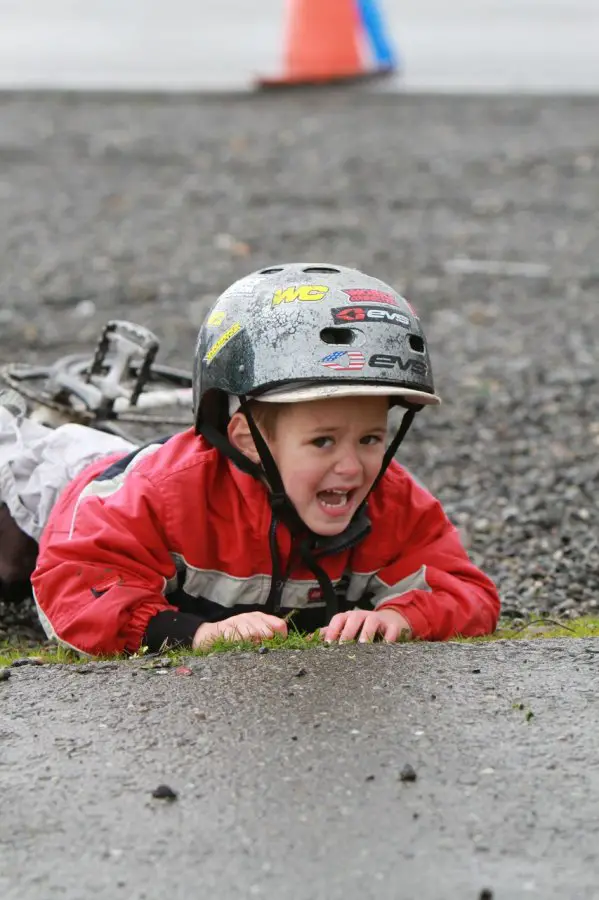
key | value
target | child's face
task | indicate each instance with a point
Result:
(328, 453)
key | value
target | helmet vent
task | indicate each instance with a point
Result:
(321, 270)
(271, 271)
(337, 336)
(416, 343)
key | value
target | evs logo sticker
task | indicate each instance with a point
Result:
(220, 343)
(307, 292)
(389, 361)
(344, 360)
(216, 318)
(369, 314)
(368, 295)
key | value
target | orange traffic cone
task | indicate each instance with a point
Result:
(323, 45)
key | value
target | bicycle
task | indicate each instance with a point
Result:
(120, 383)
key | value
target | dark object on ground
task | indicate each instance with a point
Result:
(408, 773)
(164, 792)
(17, 559)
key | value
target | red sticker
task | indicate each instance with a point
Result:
(368, 295)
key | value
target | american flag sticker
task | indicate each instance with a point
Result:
(344, 360)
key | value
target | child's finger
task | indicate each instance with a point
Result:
(392, 633)
(278, 626)
(334, 628)
(353, 625)
(371, 627)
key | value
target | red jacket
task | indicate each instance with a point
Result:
(175, 535)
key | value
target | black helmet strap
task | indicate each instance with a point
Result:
(219, 440)
(281, 505)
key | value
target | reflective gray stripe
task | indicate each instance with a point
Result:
(111, 485)
(369, 582)
(229, 590)
(415, 582)
(359, 584)
(171, 585)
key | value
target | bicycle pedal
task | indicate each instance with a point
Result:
(123, 338)
(122, 344)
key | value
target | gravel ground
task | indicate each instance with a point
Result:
(148, 207)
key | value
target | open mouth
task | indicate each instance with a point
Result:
(335, 501)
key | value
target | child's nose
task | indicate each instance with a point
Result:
(349, 463)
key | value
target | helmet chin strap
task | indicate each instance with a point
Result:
(312, 545)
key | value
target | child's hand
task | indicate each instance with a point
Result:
(367, 624)
(252, 626)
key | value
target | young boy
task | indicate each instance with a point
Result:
(283, 497)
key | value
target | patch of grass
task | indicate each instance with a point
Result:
(540, 628)
(10, 652)
(294, 641)
(532, 629)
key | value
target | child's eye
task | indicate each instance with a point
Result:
(322, 441)
(371, 439)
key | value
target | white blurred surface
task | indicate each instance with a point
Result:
(530, 45)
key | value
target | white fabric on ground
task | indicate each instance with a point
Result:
(37, 462)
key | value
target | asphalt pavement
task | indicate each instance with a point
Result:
(291, 771)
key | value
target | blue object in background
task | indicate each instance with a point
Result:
(374, 26)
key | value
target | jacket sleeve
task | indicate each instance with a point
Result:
(432, 581)
(103, 567)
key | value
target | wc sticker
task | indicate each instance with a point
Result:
(302, 292)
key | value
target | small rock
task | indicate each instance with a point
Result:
(262, 650)
(183, 670)
(369, 778)
(485, 894)
(301, 673)
(5, 674)
(408, 773)
(164, 792)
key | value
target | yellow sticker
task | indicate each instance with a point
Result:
(223, 339)
(216, 318)
(299, 292)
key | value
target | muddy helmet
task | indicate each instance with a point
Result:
(304, 331)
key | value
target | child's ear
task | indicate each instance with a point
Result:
(240, 436)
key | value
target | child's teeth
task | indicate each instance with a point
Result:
(340, 498)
